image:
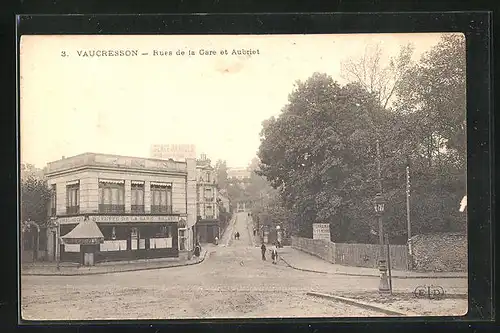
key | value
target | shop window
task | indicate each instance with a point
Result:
(73, 198)
(161, 198)
(111, 197)
(137, 197)
(166, 231)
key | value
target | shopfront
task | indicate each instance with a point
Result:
(127, 238)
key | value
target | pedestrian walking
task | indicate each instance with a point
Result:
(263, 250)
(197, 249)
(274, 254)
(216, 240)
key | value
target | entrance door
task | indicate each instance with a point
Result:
(134, 239)
(210, 234)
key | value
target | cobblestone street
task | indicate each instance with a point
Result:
(232, 282)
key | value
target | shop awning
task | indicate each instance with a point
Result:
(86, 232)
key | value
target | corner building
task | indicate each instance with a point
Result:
(145, 208)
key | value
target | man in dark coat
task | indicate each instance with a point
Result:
(263, 250)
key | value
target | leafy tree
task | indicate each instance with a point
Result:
(315, 151)
(320, 153)
(35, 195)
(221, 174)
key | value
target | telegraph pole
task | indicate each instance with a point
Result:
(380, 223)
(408, 219)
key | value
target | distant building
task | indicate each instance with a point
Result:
(207, 227)
(238, 173)
(145, 208)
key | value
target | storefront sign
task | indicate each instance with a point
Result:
(321, 231)
(173, 151)
(121, 219)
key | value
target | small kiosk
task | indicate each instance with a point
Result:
(88, 235)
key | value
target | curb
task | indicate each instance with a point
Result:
(376, 275)
(364, 305)
(122, 271)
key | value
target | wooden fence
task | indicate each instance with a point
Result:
(360, 255)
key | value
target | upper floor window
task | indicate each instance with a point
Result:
(161, 198)
(73, 197)
(209, 212)
(137, 200)
(208, 177)
(53, 200)
(111, 196)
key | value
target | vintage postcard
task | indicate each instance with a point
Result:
(242, 176)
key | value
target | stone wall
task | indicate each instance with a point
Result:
(445, 252)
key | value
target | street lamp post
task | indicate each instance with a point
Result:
(379, 205)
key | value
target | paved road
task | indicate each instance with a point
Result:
(232, 282)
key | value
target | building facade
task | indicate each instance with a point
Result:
(207, 211)
(145, 208)
(238, 173)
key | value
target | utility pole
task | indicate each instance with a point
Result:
(380, 223)
(408, 218)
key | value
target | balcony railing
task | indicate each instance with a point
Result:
(111, 209)
(161, 209)
(137, 209)
(70, 210)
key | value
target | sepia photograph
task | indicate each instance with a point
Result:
(242, 176)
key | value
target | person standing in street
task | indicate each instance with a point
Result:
(274, 254)
(263, 250)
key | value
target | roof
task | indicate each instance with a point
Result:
(86, 232)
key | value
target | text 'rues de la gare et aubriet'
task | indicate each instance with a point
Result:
(164, 52)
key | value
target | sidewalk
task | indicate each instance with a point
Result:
(71, 269)
(227, 237)
(306, 262)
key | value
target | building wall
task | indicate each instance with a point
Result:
(204, 183)
(89, 189)
(190, 200)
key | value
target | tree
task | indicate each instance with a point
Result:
(369, 71)
(35, 196)
(319, 152)
(433, 96)
(221, 174)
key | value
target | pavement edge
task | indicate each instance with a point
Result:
(374, 275)
(206, 253)
(361, 304)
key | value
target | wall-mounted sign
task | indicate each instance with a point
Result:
(321, 231)
(121, 219)
(174, 151)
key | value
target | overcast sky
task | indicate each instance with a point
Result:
(121, 105)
